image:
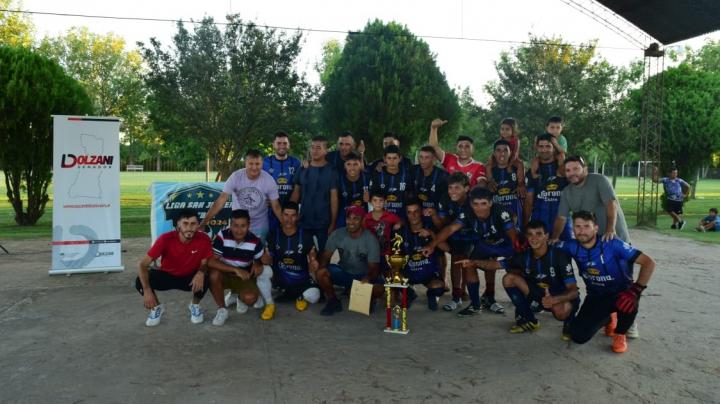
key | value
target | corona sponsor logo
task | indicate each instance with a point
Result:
(282, 180)
(71, 160)
(288, 261)
(422, 197)
(593, 272)
(391, 198)
(417, 257)
(543, 285)
(551, 187)
(503, 191)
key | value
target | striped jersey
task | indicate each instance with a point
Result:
(237, 254)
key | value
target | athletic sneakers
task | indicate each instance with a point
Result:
(681, 225)
(411, 296)
(220, 317)
(610, 326)
(674, 226)
(268, 312)
(633, 332)
(301, 304)
(154, 316)
(241, 307)
(565, 336)
(259, 303)
(452, 305)
(469, 311)
(230, 298)
(523, 325)
(489, 303)
(619, 344)
(433, 303)
(196, 315)
(333, 305)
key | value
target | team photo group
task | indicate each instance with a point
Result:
(522, 219)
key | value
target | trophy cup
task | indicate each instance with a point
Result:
(396, 317)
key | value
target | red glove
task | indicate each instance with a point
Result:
(627, 301)
(520, 243)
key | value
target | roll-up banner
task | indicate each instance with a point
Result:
(86, 195)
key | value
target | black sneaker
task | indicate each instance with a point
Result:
(673, 226)
(566, 332)
(411, 296)
(469, 311)
(432, 303)
(333, 305)
(681, 225)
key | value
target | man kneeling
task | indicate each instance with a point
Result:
(542, 274)
(292, 254)
(184, 253)
(236, 266)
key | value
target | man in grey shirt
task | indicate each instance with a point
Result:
(359, 260)
(592, 193)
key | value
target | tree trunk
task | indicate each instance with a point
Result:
(694, 183)
(36, 192)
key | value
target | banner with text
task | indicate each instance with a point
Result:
(169, 198)
(86, 195)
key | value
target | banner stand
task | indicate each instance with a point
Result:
(86, 195)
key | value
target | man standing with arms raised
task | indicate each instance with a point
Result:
(462, 161)
(251, 188)
(316, 191)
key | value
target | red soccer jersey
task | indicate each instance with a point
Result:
(181, 259)
(474, 170)
(514, 143)
(382, 228)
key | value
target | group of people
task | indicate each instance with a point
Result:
(289, 218)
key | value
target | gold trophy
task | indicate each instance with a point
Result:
(396, 317)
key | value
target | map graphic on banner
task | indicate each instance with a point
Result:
(86, 198)
(169, 198)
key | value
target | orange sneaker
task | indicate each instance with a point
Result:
(619, 344)
(610, 326)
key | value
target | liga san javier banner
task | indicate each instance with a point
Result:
(86, 195)
(169, 198)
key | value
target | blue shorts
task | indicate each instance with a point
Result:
(345, 279)
(486, 251)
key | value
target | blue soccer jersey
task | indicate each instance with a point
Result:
(505, 194)
(283, 171)
(452, 210)
(396, 187)
(419, 269)
(546, 191)
(674, 188)
(289, 254)
(607, 267)
(491, 230)
(350, 193)
(552, 271)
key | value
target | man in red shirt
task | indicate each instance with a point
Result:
(462, 161)
(183, 266)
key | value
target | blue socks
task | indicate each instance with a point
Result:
(522, 306)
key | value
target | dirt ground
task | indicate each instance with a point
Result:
(82, 338)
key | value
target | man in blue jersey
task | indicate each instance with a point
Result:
(497, 237)
(282, 167)
(676, 190)
(394, 180)
(421, 269)
(505, 183)
(460, 242)
(543, 191)
(352, 187)
(430, 183)
(541, 274)
(607, 268)
(293, 258)
(389, 138)
(346, 144)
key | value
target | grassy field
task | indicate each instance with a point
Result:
(135, 207)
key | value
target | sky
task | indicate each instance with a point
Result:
(466, 62)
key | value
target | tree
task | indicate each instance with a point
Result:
(548, 77)
(228, 90)
(16, 28)
(387, 80)
(110, 74)
(332, 51)
(690, 119)
(32, 88)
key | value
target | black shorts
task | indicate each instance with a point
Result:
(460, 247)
(675, 207)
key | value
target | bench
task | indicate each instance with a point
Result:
(134, 167)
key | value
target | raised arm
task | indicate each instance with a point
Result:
(433, 138)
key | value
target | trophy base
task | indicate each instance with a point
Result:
(397, 285)
(391, 331)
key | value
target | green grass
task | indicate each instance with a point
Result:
(135, 207)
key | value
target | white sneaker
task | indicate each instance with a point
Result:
(155, 315)
(221, 316)
(230, 298)
(259, 303)
(633, 332)
(196, 315)
(241, 307)
(452, 305)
